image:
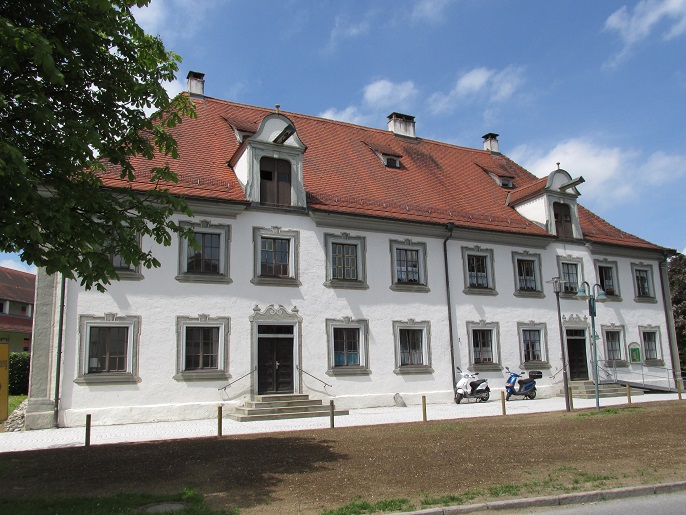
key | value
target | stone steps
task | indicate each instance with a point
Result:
(586, 390)
(280, 407)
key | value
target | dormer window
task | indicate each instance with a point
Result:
(391, 161)
(563, 220)
(268, 163)
(506, 182)
(275, 182)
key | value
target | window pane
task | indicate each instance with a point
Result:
(526, 274)
(642, 284)
(206, 258)
(476, 268)
(483, 350)
(407, 266)
(274, 256)
(344, 261)
(107, 349)
(202, 348)
(612, 342)
(650, 344)
(411, 347)
(607, 282)
(346, 346)
(531, 338)
(571, 276)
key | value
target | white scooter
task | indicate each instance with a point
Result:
(471, 387)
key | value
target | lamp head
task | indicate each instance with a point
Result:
(582, 292)
(601, 297)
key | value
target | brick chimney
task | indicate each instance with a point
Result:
(401, 124)
(196, 84)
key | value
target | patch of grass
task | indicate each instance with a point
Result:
(361, 507)
(14, 402)
(609, 411)
(507, 489)
(121, 503)
(443, 500)
(585, 477)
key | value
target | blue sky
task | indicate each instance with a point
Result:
(598, 86)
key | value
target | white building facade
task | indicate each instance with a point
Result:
(342, 302)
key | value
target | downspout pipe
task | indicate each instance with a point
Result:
(669, 318)
(58, 367)
(450, 226)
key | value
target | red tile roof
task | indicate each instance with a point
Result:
(17, 286)
(436, 182)
(16, 324)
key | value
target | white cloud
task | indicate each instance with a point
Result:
(429, 10)
(384, 94)
(481, 86)
(350, 114)
(612, 174)
(634, 27)
(174, 20)
(9, 261)
(343, 30)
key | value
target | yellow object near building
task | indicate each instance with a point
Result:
(4, 379)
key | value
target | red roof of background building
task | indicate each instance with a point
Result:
(436, 183)
(17, 286)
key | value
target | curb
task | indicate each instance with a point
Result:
(556, 500)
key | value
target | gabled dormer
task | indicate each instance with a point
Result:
(268, 164)
(551, 203)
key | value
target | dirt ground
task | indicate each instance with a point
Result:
(307, 471)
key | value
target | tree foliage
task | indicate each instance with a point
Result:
(677, 286)
(75, 76)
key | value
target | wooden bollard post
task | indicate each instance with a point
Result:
(502, 401)
(628, 393)
(88, 430)
(571, 399)
(332, 409)
(219, 420)
(424, 408)
(680, 386)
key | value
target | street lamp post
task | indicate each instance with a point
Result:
(557, 288)
(586, 291)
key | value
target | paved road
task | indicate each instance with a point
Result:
(75, 436)
(664, 504)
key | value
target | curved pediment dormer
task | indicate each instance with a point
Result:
(551, 203)
(269, 164)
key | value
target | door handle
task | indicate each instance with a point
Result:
(277, 365)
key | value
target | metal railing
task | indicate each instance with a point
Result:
(313, 377)
(236, 380)
(647, 378)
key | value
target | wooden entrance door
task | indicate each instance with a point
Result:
(576, 355)
(275, 365)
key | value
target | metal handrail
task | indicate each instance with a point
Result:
(236, 380)
(313, 377)
(645, 375)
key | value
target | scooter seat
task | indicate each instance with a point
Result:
(523, 382)
(474, 384)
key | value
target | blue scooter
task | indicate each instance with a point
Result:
(527, 387)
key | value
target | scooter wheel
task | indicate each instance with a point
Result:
(458, 398)
(485, 397)
(532, 394)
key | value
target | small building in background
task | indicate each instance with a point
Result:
(17, 291)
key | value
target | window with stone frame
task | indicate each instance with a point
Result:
(345, 261)
(478, 271)
(108, 349)
(408, 266)
(482, 346)
(207, 259)
(347, 346)
(202, 348)
(276, 256)
(644, 287)
(650, 345)
(613, 345)
(608, 278)
(570, 270)
(412, 346)
(531, 343)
